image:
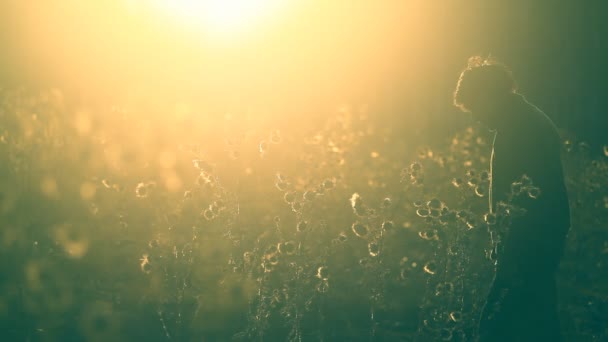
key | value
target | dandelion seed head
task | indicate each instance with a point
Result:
(282, 186)
(208, 214)
(434, 204)
(360, 229)
(328, 184)
(481, 191)
(272, 249)
(516, 188)
(525, 181)
(281, 177)
(302, 226)
(267, 267)
(463, 214)
(448, 217)
(456, 316)
(154, 243)
(484, 176)
(388, 225)
(248, 257)
(141, 190)
(145, 265)
(322, 273)
(356, 203)
(323, 286)
(309, 195)
(457, 182)
(355, 200)
(534, 192)
(204, 178)
(422, 212)
(106, 183)
(263, 147)
(430, 267)
(289, 197)
(473, 182)
(387, 202)
(214, 209)
(296, 206)
(288, 248)
(272, 259)
(373, 249)
(428, 235)
(490, 218)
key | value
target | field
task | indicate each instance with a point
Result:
(153, 224)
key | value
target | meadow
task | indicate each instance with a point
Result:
(124, 223)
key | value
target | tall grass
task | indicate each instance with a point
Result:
(117, 225)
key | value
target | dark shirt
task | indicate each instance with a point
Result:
(522, 303)
(529, 144)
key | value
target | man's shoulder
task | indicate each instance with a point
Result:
(532, 135)
(540, 126)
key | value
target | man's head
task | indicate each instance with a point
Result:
(483, 87)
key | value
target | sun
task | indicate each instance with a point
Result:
(221, 16)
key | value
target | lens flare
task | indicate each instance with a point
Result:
(221, 16)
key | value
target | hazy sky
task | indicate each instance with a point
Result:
(387, 51)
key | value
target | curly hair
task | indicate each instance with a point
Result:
(482, 80)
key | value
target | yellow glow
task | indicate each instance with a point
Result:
(221, 16)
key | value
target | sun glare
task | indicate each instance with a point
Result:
(221, 16)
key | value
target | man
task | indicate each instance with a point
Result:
(522, 303)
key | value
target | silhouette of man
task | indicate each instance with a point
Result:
(522, 303)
